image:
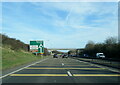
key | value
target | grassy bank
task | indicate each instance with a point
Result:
(11, 58)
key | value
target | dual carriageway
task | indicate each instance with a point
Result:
(62, 71)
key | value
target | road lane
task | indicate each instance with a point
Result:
(63, 70)
(94, 75)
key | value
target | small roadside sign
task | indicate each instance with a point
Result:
(37, 46)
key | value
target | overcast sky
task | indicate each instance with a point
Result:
(60, 25)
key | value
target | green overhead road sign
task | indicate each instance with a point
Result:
(37, 46)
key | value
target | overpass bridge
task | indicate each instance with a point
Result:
(61, 48)
(65, 48)
(70, 49)
(74, 50)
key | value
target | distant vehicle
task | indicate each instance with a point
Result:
(55, 56)
(64, 56)
(61, 55)
(100, 55)
(85, 55)
(74, 55)
(69, 55)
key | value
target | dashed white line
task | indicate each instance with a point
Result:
(69, 74)
(22, 68)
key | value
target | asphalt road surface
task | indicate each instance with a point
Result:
(63, 70)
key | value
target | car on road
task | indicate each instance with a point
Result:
(64, 56)
(74, 55)
(100, 55)
(55, 56)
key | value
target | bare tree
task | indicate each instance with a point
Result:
(90, 44)
(111, 40)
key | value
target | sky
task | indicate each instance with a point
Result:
(60, 24)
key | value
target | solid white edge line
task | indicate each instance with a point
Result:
(106, 68)
(22, 68)
(69, 73)
(101, 66)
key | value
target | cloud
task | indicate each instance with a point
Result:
(61, 25)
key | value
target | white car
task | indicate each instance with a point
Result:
(100, 55)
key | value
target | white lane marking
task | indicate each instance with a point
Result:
(55, 81)
(22, 68)
(62, 64)
(106, 68)
(69, 73)
(114, 70)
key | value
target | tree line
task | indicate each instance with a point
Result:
(110, 47)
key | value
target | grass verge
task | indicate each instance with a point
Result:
(11, 58)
